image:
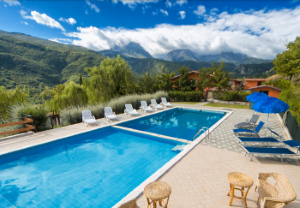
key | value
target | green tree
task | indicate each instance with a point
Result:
(112, 78)
(288, 62)
(10, 98)
(184, 82)
(147, 83)
(71, 95)
(80, 80)
(220, 77)
(164, 82)
(204, 79)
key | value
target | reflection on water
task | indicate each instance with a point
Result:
(177, 123)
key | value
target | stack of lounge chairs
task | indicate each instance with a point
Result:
(249, 134)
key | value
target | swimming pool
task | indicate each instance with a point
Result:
(93, 169)
(178, 123)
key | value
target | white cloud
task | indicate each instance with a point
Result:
(168, 3)
(200, 10)
(214, 11)
(12, 2)
(182, 14)
(61, 40)
(22, 12)
(93, 6)
(133, 3)
(24, 23)
(181, 2)
(261, 34)
(155, 13)
(164, 12)
(42, 19)
(70, 20)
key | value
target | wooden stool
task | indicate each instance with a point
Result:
(241, 180)
(156, 192)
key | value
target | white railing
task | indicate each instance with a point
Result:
(205, 130)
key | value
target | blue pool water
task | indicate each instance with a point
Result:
(178, 123)
(94, 169)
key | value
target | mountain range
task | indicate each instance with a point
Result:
(36, 62)
(227, 57)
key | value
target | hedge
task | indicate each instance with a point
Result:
(185, 96)
(231, 95)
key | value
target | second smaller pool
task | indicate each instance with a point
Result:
(178, 123)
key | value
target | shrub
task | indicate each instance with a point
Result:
(185, 96)
(38, 114)
(73, 115)
(231, 95)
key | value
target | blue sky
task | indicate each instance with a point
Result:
(256, 28)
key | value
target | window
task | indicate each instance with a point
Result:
(265, 91)
(258, 83)
(229, 82)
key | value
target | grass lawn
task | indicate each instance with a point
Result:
(188, 103)
(226, 105)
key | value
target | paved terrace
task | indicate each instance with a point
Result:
(200, 178)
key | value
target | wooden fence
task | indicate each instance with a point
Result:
(25, 122)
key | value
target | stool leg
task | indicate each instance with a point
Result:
(243, 191)
(154, 204)
(159, 202)
(245, 199)
(166, 205)
(229, 190)
(149, 203)
(232, 194)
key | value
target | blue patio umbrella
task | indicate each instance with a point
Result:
(270, 105)
(255, 97)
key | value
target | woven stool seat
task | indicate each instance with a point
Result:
(240, 179)
(156, 192)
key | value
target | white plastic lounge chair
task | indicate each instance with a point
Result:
(109, 114)
(145, 107)
(87, 118)
(155, 105)
(130, 111)
(165, 103)
(249, 123)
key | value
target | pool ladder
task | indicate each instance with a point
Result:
(205, 130)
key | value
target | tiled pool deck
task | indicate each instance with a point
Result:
(200, 178)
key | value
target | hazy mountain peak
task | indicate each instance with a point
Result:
(182, 55)
(132, 49)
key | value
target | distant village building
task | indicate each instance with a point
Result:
(253, 85)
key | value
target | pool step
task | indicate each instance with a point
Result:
(178, 148)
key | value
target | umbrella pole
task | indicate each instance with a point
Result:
(267, 120)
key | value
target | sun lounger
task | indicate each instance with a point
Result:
(145, 107)
(249, 131)
(130, 111)
(109, 114)
(276, 134)
(268, 150)
(292, 143)
(155, 105)
(87, 118)
(250, 123)
(165, 103)
(267, 140)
